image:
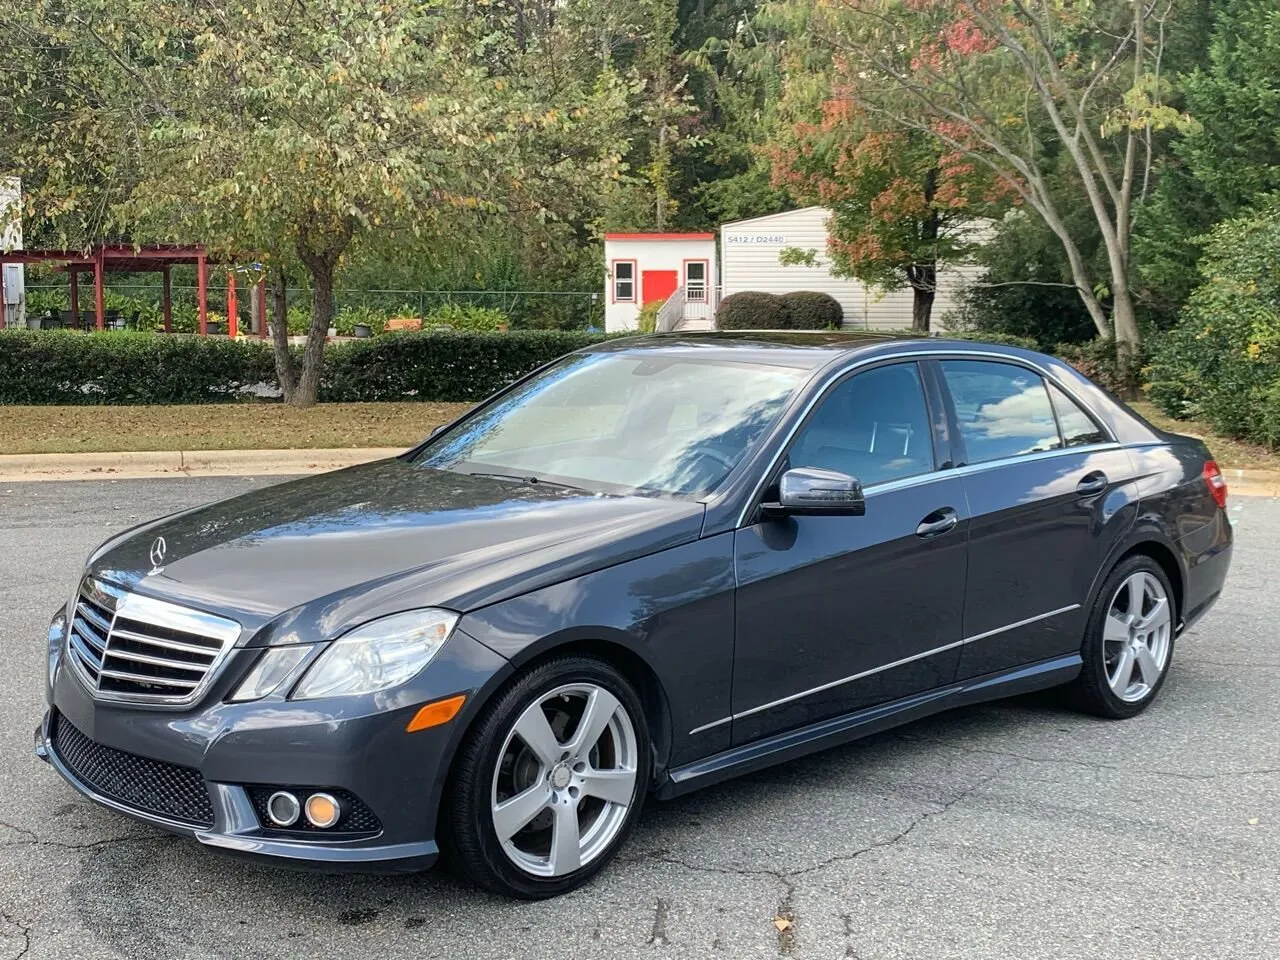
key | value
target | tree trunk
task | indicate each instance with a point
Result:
(321, 315)
(1128, 337)
(320, 262)
(286, 372)
(923, 278)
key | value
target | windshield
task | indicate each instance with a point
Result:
(622, 423)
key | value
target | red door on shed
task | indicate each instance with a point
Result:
(658, 284)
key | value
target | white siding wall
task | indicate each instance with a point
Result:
(749, 261)
(651, 254)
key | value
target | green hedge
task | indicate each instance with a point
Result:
(56, 367)
(753, 310)
(811, 310)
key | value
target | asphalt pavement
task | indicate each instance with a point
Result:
(1012, 830)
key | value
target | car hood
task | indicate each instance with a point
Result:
(341, 548)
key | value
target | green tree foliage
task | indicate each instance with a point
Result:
(1026, 289)
(1221, 363)
(305, 133)
(1230, 161)
(1022, 88)
(902, 202)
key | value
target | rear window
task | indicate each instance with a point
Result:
(1003, 409)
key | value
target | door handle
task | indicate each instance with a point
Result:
(937, 523)
(1092, 484)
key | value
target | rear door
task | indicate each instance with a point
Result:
(842, 612)
(1044, 487)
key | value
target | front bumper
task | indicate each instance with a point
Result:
(354, 744)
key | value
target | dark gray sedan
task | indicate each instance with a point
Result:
(647, 567)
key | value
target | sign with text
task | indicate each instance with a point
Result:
(757, 239)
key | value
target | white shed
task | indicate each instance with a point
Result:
(750, 252)
(643, 267)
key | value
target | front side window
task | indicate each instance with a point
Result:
(1003, 409)
(873, 426)
(624, 281)
(648, 422)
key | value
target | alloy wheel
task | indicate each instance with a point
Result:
(1137, 635)
(565, 780)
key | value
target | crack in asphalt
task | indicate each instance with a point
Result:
(31, 839)
(1067, 761)
(23, 929)
(788, 934)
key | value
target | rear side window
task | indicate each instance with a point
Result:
(873, 426)
(1078, 428)
(1003, 409)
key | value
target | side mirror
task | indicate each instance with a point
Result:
(809, 491)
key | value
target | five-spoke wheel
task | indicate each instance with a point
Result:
(1128, 642)
(550, 780)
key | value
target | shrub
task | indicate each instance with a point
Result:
(1221, 362)
(810, 310)
(466, 316)
(349, 318)
(1097, 361)
(991, 336)
(647, 319)
(751, 310)
(63, 367)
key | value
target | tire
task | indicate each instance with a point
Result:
(1111, 647)
(565, 806)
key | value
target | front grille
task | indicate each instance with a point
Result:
(165, 789)
(130, 647)
(358, 818)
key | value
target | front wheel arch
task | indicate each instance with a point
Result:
(638, 671)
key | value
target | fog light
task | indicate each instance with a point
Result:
(283, 808)
(323, 810)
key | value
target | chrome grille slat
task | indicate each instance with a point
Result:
(118, 654)
(86, 658)
(148, 681)
(90, 613)
(97, 640)
(169, 644)
(135, 648)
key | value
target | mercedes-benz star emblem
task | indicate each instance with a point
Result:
(158, 548)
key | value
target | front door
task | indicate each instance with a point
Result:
(1047, 491)
(838, 613)
(658, 284)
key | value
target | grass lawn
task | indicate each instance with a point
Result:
(271, 426)
(230, 426)
(1230, 454)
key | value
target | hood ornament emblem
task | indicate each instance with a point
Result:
(158, 548)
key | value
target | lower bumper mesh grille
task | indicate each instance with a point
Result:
(152, 786)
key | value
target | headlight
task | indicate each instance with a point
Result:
(378, 655)
(271, 670)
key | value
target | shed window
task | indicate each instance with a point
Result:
(624, 281)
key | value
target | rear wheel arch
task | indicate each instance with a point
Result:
(1154, 545)
(1163, 555)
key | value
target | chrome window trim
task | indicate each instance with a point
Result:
(887, 666)
(160, 613)
(928, 354)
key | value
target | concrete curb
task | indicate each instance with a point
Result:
(178, 463)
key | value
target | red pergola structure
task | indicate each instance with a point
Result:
(128, 259)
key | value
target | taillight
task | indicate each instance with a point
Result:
(1216, 482)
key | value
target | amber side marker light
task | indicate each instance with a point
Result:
(435, 713)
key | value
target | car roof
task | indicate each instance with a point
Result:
(803, 349)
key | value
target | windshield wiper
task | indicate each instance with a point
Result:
(526, 478)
